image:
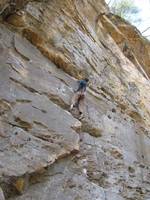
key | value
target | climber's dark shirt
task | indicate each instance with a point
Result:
(82, 85)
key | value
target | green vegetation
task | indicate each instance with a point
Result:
(125, 9)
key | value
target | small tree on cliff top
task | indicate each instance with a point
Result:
(125, 9)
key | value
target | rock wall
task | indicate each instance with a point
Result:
(46, 151)
(135, 47)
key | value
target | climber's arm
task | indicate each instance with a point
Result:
(78, 86)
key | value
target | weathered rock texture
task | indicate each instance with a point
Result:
(46, 152)
(128, 38)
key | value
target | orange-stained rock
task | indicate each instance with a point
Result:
(135, 47)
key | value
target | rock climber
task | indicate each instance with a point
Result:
(79, 96)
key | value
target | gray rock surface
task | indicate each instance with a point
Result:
(1, 195)
(46, 151)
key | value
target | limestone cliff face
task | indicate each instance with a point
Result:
(135, 47)
(46, 152)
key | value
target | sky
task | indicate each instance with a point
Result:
(144, 6)
(144, 14)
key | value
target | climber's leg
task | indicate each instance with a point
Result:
(81, 104)
(75, 100)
